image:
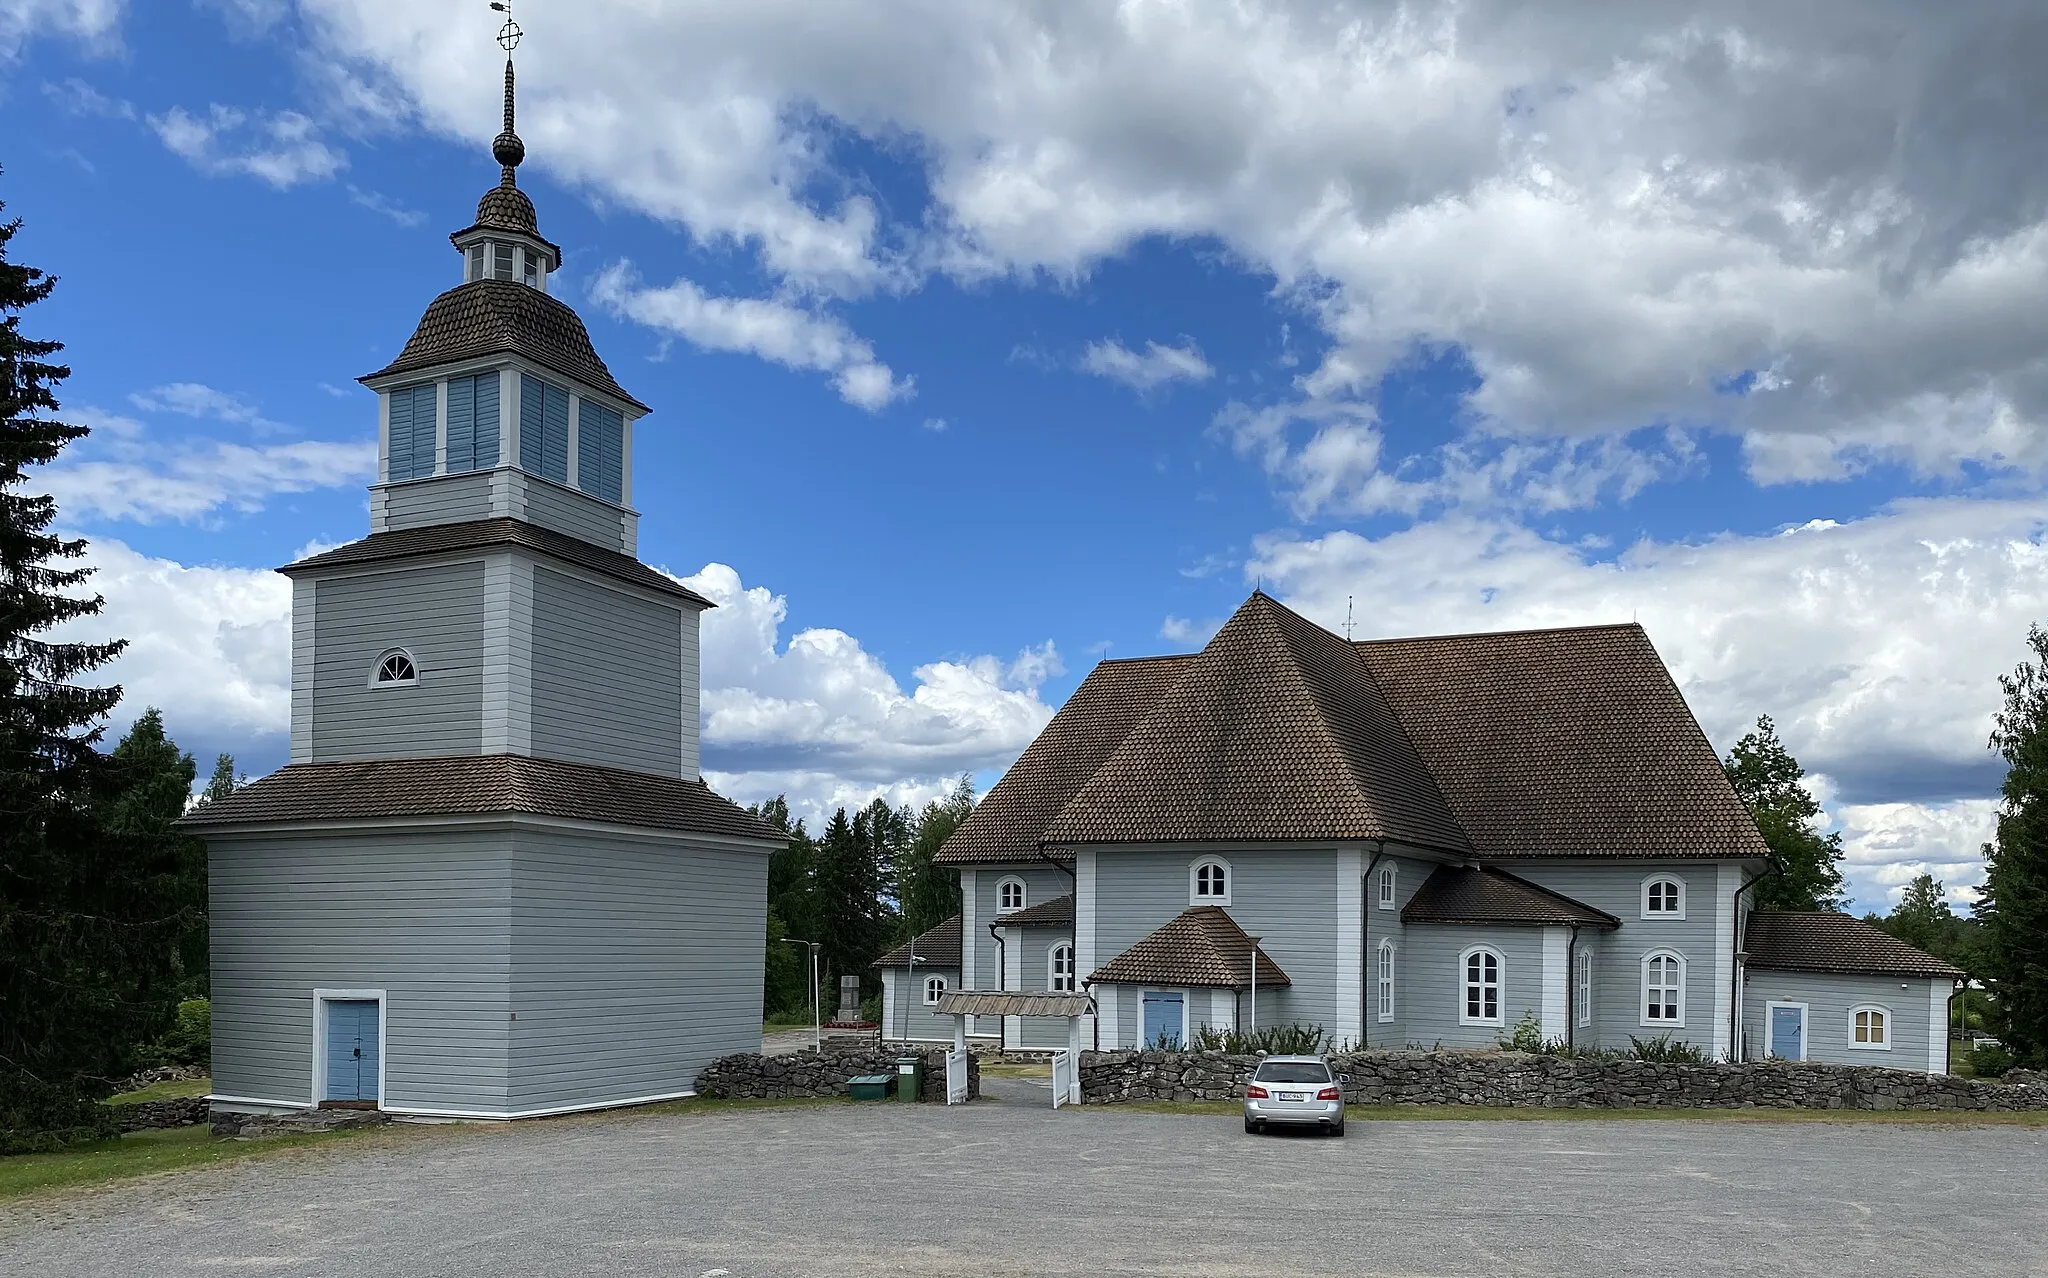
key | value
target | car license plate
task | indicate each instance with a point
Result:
(1294, 1096)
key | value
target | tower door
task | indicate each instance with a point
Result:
(353, 1050)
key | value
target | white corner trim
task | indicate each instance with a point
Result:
(970, 933)
(1727, 879)
(1557, 977)
(1084, 914)
(1351, 941)
(1939, 991)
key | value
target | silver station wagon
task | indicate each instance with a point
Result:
(1294, 1089)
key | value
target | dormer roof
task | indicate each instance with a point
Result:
(500, 317)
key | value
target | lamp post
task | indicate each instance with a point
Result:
(817, 1028)
(1255, 985)
(909, 985)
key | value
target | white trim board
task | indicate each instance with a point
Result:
(509, 1114)
(323, 996)
(1939, 992)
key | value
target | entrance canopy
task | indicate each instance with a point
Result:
(999, 1003)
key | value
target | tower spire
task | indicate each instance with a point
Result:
(506, 148)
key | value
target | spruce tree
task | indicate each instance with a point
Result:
(1767, 778)
(224, 781)
(2013, 905)
(81, 935)
(151, 780)
(1922, 917)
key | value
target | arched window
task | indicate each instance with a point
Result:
(1664, 989)
(1664, 897)
(1386, 980)
(1059, 969)
(1209, 881)
(393, 668)
(1481, 969)
(1870, 1028)
(1009, 895)
(1386, 890)
(934, 989)
(1584, 1011)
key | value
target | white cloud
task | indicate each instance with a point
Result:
(1886, 845)
(769, 328)
(91, 22)
(377, 202)
(1187, 632)
(195, 399)
(820, 706)
(1875, 644)
(1157, 366)
(245, 18)
(75, 97)
(280, 148)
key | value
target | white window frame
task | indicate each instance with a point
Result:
(1385, 980)
(1187, 1000)
(1805, 1029)
(1584, 991)
(1052, 969)
(1023, 896)
(377, 668)
(1643, 1016)
(1889, 1022)
(1500, 987)
(1195, 876)
(1664, 916)
(1387, 887)
(321, 998)
(934, 990)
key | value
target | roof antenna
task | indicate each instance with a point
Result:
(1347, 619)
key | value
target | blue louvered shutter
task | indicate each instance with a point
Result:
(400, 436)
(485, 433)
(532, 397)
(413, 418)
(544, 429)
(600, 450)
(461, 424)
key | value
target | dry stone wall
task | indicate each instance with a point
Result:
(752, 1076)
(1514, 1079)
(181, 1111)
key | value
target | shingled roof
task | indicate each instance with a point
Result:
(1568, 742)
(1824, 941)
(1563, 742)
(1202, 946)
(501, 317)
(939, 947)
(1008, 824)
(1058, 912)
(1465, 894)
(479, 534)
(1275, 731)
(472, 785)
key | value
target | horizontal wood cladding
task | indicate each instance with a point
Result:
(449, 499)
(434, 612)
(635, 964)
(571, 512)
(608, 676)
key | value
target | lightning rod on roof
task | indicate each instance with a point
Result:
(1347, 618)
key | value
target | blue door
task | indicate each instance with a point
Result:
(1788, 1032)
(1163, 1018)
(351, 1050)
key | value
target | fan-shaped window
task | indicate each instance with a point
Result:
(1209, 881)
(1009, 895)
(394, 668)
(1663, 897)
(1480, 969)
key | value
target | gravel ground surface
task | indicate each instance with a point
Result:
(1005, 1186)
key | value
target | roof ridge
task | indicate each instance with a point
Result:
(1498, 634)
(1292, 637)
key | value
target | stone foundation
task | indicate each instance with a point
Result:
(183, 1111)
(298, 1122)
(752, 1076)
(1513, 1079)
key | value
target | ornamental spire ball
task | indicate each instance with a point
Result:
(506, 148)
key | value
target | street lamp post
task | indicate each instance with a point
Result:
(817, 1028)
(909, 986)
(1255, 984)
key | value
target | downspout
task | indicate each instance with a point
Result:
(1002, 970)
(1365, 951)
(1772, 865)
(1571, 991)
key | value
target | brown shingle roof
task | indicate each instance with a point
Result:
(1463, 894)
(939, 947)
(429, 539)
(1563, 743)
(999, 1003)
(1007, 824)
(500, 317)
(1058, 912)
(1275, 731)
(1824, 941)
(472, 785)
(1200, 946)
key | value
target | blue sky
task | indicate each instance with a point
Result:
(986, 343)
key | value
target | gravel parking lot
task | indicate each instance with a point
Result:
(1007, 1187)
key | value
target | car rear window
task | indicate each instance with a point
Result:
(1292, 1072)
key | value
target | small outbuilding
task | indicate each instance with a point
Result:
(1823, 986)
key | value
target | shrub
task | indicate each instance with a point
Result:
(189, 1041)
(1665, 1050)
(1991, 1060)
(36, 1117)
(1274, 1040)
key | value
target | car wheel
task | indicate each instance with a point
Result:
(1250, 1127)
(1338, 1130)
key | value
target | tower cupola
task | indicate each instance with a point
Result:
(505, 241)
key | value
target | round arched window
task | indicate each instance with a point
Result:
(396, 666)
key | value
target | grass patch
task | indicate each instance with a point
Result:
(136, 1154)
(1015, 1069)
(778, 1025)
(1500, 1114)
(177, 1089)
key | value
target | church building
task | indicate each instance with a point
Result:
(490, 883)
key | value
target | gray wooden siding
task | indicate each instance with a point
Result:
(1618, 955)
(1383, 925)
(916, 1023)
(1033, 947)
(607, 669)
(1042, 883)
(574, 513)
(422, 916)
(448, 499)
(634, 964)
(1829, 996)
(435, 612)
(1288, 898)
(303, 612)
(1432, 981)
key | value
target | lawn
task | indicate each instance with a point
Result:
(175, 1090)
(136, 1154)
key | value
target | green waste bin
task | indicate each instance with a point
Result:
(909, 1077)
(868, 1086)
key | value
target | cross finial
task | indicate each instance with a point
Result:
(506, 148)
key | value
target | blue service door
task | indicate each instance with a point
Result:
(1163, 1017)
(351, 1050)
(1788, 1033)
